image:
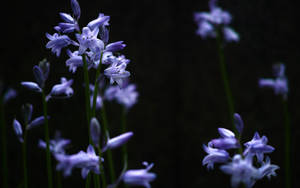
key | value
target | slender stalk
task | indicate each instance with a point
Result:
(101, 168)
(48, 157)
(96, 87)
(25, 159)
(124, 128)
(88, 179)
(4, 149)
(287, 126)
(59, 181)
(225, 79)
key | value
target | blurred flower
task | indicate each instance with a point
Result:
(117, 141)
(62, 90)
(95, 131)
(70, 24)
(18, 130)
(268, 169)
(238, 122)
(76, 9)
(57, 145)
(9, 94)
(214, 156)
(57, 42)
(117, 73)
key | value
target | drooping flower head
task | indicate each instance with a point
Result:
(227, 140)
(279, 84)
(62, 90)
(56, 145)
(214, 156)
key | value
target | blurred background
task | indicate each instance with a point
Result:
(182, 100)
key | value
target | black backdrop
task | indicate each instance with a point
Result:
(181, 101)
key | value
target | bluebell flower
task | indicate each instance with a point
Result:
(117, 141)
(36, 122)
(95, 131)
(279, 84)
(74, 61)
(32, 86)
(9, 94)
(238, 122)
(127, 95)
(18, 130)
(227, 140)
(268, 169)
(56, 145)
(27, 110)
(241, 171)
(110, 92)
(258, 146)
(76, 9)
(87, 161)
(102, 20)
(88, 40)
(57, 42)
(139, 177)
(115, 46)
(70, 24)
(117, 73)
(214, 156)
(62, 90)
(217, 19)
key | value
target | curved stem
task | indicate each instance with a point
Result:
(225, 80)
(25, 159)
(287, 127)
(48, 157)
(4, 149)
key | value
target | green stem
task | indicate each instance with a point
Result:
(25, 159)
(87, 183)
(96, 87)
(87, 94)
(108, 152)
(124, 128)
(225, 80)
(48, 157)
(4, 149)
(288, 182)
(59, 181)
(102, 173)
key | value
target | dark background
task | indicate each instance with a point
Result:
(182, 101)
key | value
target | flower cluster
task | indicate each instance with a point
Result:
(91, 43)
(215, 22)
(278, 84)
(241, 166)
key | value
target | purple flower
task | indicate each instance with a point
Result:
(36, 122)
(258, 146)
(117, 73)
(57, 42)
(214, 156)
(279, 84)
(62, 90)
(88, 40)
(227, 140)
(9, 94)
(241, 170)
(69, 25)
(102, 20)
(127, 96)
(268, 169)
(110, 92)
(57, 145)
(18, 130)
(74, 61)
(115, 46)
(87, 161)
(95, 131)
(32, 86)
(230, 35)
(238, 122)
(76, 9)
(139, 177)
(117, 141)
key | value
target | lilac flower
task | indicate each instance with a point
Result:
(57, 145)
(62, 90)
(227, 140)
(139, 177)
(118, 141)
(110, 92)
(258, 146)
(9, 94)
(115, 46)
(127, 96)
(57, 42)
(76, 9)
(268, 169)
(238, 122)
(241, 170)
(214, 156)
(279, 84)
(88, 40)
(32, 86)
(217, 19)
(74, 61)
(69, 25)
(117, 73)
(95, 131)
(102, 20)
(18, 130)
(87, 161)
(36, 122)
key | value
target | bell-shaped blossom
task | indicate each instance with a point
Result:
(18, 130)
(127, 96)
(87, 161)
(214, 156)
(57, 42)
(56, 145)
(278, 84)
(115, 46)
(62, 90)
(241, 171)
(74, 61)
(70, 24)
(117, 73)
(139, 177)
(110, 92)
(102, 20)
(227, 140)
(88, 40)
(216, 19)
(268, 169)
(258, 146)
(75, 9)
(95, 131)
(117, 141)
(32, 86)
(36, 122)
(238, 122)
(27, 112)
